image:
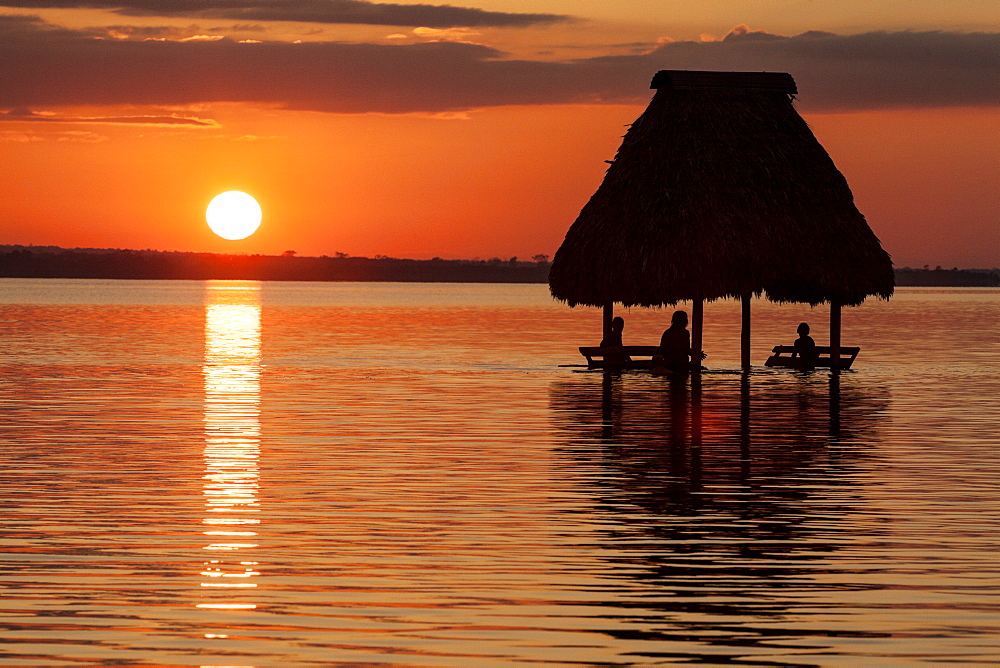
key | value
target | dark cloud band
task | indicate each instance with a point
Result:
(43, 66)
(312, 11)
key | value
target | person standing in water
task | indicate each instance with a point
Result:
(675, 346)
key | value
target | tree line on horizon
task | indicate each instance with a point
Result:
(56, 262)
(954, 277)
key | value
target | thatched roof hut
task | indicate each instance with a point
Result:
(720, 189)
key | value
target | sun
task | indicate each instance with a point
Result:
(233, 215)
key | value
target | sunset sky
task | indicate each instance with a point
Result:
(476, 129)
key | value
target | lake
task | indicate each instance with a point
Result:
(240, 473)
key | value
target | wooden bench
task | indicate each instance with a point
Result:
(783, 357)
(595, 357)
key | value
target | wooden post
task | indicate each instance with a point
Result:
(608, 406)
(745, 334)
(835, 336)
(744, 427)
(609, 314)
(696, 425)
(834, 405)
(697, 320)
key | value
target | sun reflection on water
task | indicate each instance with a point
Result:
(232, 441)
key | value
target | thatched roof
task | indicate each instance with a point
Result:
(720, 189)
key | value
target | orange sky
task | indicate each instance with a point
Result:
(461, 141)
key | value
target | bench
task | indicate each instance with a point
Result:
(595, 357)
(783, 357)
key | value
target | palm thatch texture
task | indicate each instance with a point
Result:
(718, 190)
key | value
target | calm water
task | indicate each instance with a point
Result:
(233, 473)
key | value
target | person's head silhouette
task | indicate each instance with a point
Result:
(679, 319)
(617, 323)
(803, 329)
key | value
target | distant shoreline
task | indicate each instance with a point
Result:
(950, 278)
(55, 262)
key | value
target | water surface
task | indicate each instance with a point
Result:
(239, 473)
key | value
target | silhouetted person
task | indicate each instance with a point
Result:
(805, 348)
(614, 352)
(675, 346)
(614, 337)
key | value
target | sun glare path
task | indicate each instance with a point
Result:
(232, 442)
(233, 215)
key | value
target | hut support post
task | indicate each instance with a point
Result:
(835, 336)
(745, 334)
(697, 320)
(609, 314)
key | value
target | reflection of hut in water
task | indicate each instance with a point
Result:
(724, 521)
(732, 430)
(720, 190)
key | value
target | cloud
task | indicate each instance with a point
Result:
(44, 66)
(76, 136)
(22, 115)
(167, 32)
(258, 137)
(8, 137)
(311, 11)
(875, 70)
(81, 137)
(447, 34)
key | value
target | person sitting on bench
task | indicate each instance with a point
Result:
(614, 352)
(675, 347)
(805, 348)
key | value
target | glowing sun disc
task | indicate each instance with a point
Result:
(233, 215)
